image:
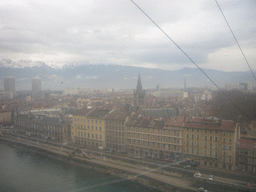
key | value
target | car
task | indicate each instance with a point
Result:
(201, 189)
(187, 167)
(197, 175)
(137, 157)
(169, 160)
(64, 143)
(211, 177)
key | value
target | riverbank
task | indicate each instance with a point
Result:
(152, 179)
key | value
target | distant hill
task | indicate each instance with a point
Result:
(113, 76)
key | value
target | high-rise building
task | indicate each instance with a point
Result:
(9, 86)
(36, 85)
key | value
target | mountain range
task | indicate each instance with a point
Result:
(112, 76)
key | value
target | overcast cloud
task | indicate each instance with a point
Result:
(116, 32)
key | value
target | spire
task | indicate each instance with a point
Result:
(139, 85)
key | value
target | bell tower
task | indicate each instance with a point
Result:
(139, 96)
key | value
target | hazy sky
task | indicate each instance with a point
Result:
(116, 32)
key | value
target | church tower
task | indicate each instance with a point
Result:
(139, 96)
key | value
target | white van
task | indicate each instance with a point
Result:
(197, 175)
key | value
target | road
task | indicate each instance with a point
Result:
(147, 165)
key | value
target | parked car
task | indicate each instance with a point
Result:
(201, 189)
(137, 157)
(211, 177)
(187, 167)
(168, 160)
(197, 175)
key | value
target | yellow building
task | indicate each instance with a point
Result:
(5, 117)
(210, 142)
(116, 130)
(89, 128)
(154, 138)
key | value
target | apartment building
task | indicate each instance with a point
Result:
(5, 117)
(246, 156)
(116, 130)
(210, 142)
(154, 138)
(89, 127)
(41, 124)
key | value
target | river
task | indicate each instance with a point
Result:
(24, 171)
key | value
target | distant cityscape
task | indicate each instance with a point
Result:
(159, 123)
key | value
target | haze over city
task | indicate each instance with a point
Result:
(130, 95)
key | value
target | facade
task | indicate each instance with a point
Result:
(9, 86)
(116, 130)
(5, 117)
(210, 142)
(89, 128)
(154, 138)
(36, 85)
(246, 156)
(139, 96)
(38, 124)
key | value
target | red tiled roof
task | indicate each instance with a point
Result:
(201, 123)
(82, 112)
(247, 144)
(175, 121)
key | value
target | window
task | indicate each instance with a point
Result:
(78, 133)
(187, 136)
(205, 138)
(230, 160)
(187, 143)
(216, 138)
(96, 121)
(192, 143)
(205, 145)
(250, 161)
(92, 136)
(205, 152)
(84, 134)
(197, 144)
(92, 121)
(211, 153)
(197, 136)
(88, 135)
(224, 140)
(250, 153)
(192, 136)
(230, 148)
(210, 145)
(197, 151)
(216, 153)
(223, 147)
(100, 128)
(210, 138)
(88, 126)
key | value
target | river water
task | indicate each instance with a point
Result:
(23, 170)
